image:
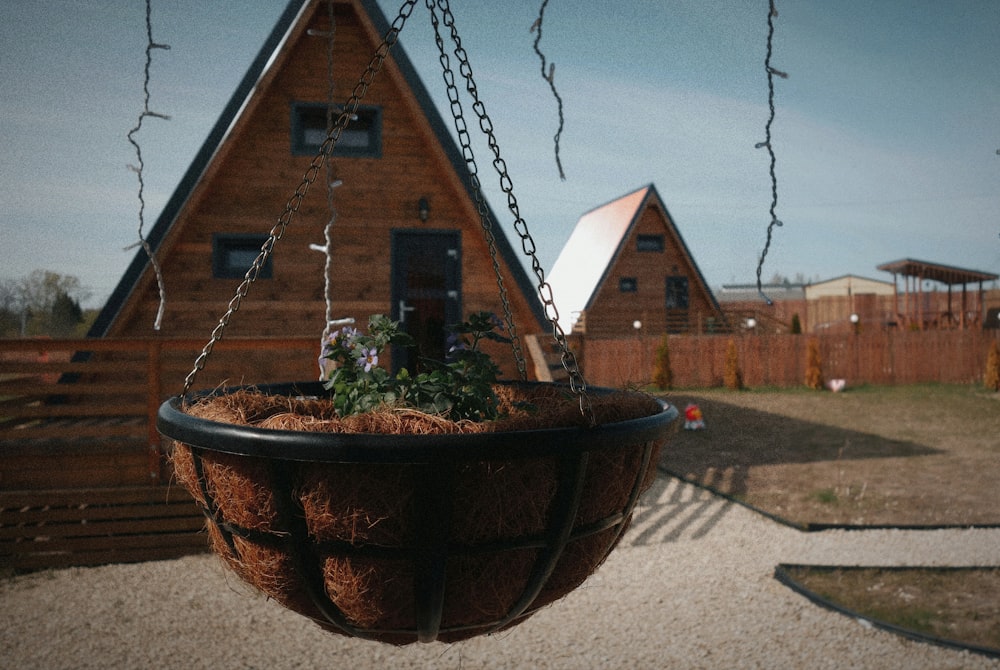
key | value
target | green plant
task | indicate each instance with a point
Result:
(814, 369)
(460, 387)
(991, 378)
(796, 327)
(663, 377)
(824, 496)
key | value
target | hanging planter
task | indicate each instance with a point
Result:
(438, 506)
(415, 537)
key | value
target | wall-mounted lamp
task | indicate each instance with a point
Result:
(423, 210)
(637, 325)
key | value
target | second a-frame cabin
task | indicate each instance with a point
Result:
(407, 239)
(626, 265)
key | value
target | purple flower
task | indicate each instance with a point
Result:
(369, 358)
(454, 343)
(344, 336)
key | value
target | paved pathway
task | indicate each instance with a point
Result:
(691, 586)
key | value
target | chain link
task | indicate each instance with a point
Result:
(310, 176)
(568, 359)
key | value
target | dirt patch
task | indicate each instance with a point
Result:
(924, 455)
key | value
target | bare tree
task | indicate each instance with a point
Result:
(43, 302)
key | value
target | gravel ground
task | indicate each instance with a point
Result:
(691, 586)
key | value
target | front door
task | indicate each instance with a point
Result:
(426, 291)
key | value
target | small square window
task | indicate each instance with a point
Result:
(361, 138)
(233, 255)
(649, 243)
(628, 284)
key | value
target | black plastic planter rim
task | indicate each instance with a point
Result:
(175, 424)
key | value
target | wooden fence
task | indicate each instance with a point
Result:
(84, 479)
(83, 475)
(886, 357)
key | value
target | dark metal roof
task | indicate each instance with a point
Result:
(230, 114)
(946, 274)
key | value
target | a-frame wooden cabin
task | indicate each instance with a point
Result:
(626, 263)
(407, 239)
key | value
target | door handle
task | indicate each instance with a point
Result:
(403, 309)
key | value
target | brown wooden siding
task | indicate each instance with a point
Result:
(612, 312)
(255, 173)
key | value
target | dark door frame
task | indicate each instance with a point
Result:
(443, 246)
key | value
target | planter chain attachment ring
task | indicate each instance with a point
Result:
(310, 176)
(568, 359)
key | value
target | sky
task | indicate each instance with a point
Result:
(886, 131)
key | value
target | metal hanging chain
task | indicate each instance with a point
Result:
(140, 165)
(771, 74)
(481, 206)
(550, 78)
(576, 380)
(310, 176)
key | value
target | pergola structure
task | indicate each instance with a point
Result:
(914, 310)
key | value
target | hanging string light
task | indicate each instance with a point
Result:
(549, 76)
(332, 112)
(771, 74)
(139, 167)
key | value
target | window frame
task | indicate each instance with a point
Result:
(225, 243)
(628, 285)
(304, 115)
(650, 243)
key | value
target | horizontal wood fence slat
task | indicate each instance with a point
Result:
(83, 472)
(60, 528)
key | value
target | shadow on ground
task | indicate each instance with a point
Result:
(672, 510)
(784, 466)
